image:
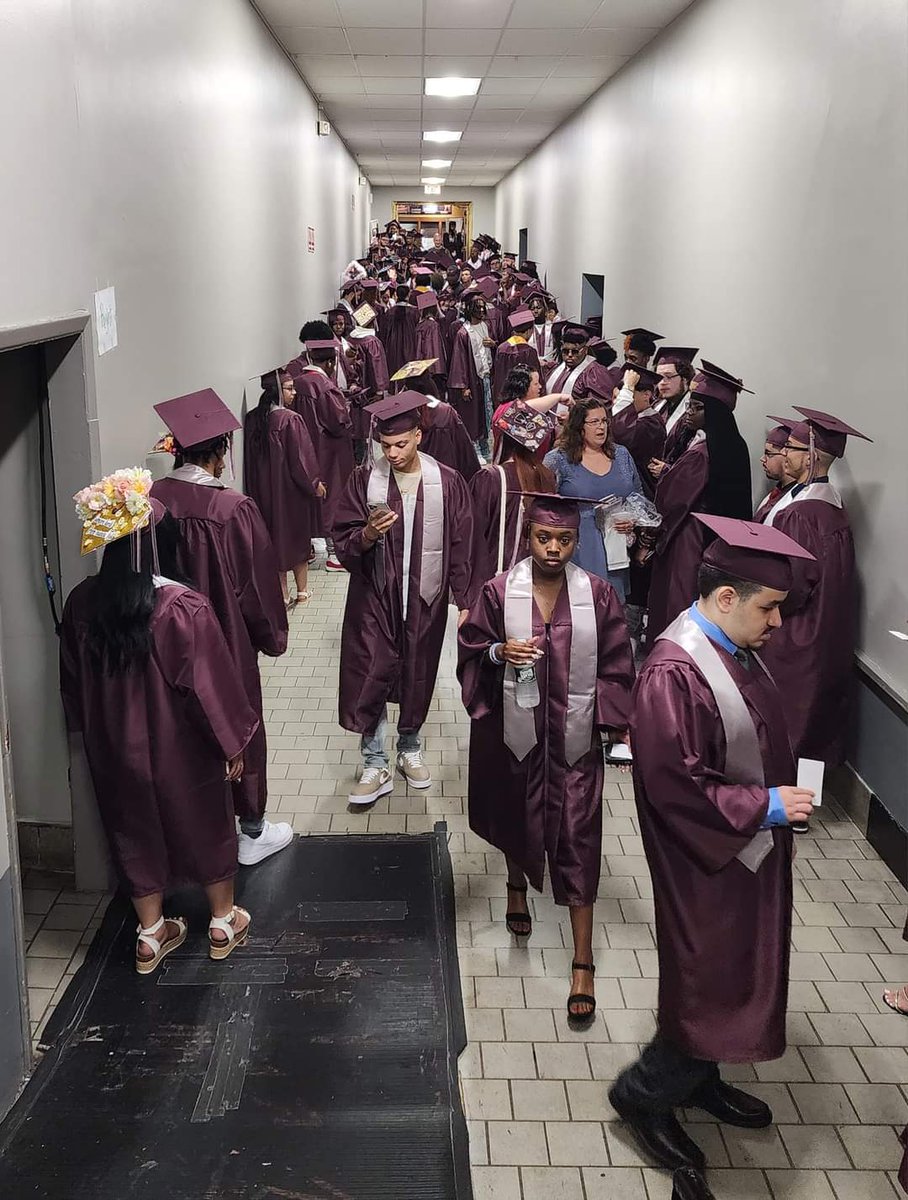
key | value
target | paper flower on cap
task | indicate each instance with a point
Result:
(116, 506)
(164, 445)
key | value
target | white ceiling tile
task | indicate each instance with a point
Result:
(523, 85)
(325, 67)
(491, 103)
(400, 141)
(405, 65)
(600, 66)
(385, 126)
(442, 108)
(372, 160)
(615, 13)
(385, 41)
(536, 41)
(472, 65)
(611, 41)
(566, 87)
(466, 14)
(338, 88)
(306, 40)
(552, 14)
(389, 85)
(399, 14)
(505, 117)
(345, 111)
(300, 12)
(509, 65)
(460, 41)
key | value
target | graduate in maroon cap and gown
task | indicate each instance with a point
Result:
(712, 475)
(397, 330)
(374, 380)
(674, 366)
(226, 551)
(636, 424)
(570, 373)
(536, 768)
(514, 351)
(444, 435)
(282, 475)
(326, 412)
(470, 370)
(773, 463)
(812, 660)
(149, 683)
(430, 342)
(714, 783)
(403, 530)
(499, 510)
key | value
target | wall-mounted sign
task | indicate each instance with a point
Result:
(106, 319)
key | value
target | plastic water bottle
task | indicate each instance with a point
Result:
(527, 686)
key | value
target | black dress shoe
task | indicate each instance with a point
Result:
(690, 1185)
(659, 1135)
(731, 1106)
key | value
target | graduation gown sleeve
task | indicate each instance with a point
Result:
(252, 566)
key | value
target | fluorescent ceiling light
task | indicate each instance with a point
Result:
(441, 135)
(433, 179)
(452, 85)
(437, 163)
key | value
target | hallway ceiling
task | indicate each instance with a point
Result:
(539, 60)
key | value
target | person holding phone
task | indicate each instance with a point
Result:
(403, 530)
(714, 781)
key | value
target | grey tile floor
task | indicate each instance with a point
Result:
(541, 1127)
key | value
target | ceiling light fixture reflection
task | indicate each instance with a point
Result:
(452, 85)
(441, 135)
(437, 163)
(433, 179)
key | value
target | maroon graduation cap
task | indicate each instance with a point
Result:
(555, 512)
(197, 417)
(521, 319)
(752, 552)
(829, 433)
(648, 378)
(397, 414)
(572, 331)
(675, 355)
(641, 340)
(778, 437)
(718, 384)
(426, 300)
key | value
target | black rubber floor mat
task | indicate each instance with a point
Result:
(319, 1062)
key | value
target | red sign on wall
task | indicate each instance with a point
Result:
(311, 240)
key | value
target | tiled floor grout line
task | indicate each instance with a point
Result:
(847, 1053)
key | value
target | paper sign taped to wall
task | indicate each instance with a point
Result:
(311, 239)
(106, 319)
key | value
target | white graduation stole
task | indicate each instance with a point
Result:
(433, 520)
(814, 491)
(520, 723)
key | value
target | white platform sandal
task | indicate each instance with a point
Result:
(145, 966)
(218, 950)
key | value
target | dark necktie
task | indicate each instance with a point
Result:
(743, 657)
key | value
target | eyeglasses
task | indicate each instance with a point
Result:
(771, 453)
(667, 377)
(596, 421)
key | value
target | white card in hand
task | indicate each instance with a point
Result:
(810, 776)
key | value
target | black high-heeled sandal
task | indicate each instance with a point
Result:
(510, 918)
(581, 1019)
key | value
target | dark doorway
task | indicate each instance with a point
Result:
(522, 248)
(592, 297)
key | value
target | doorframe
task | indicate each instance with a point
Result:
(75, 459)
(466, 205)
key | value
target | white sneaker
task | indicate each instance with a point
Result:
(618, 753)
(413, 769)
(374, 782)
(273, 837)
(332, 564)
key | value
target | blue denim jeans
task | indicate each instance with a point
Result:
(372, 745)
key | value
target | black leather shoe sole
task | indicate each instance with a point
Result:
(690, 1185)
(659, 1136)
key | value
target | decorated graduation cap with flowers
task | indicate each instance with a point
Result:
(116, 506)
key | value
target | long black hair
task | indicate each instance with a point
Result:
(201, 452)
(124, 603)
(256, 428)
(728, 489)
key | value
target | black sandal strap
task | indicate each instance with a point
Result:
(516, 887)
(579, 966)
(581, 998)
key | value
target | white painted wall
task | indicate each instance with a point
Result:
(169, 150)
(741, 185)
(482, 199)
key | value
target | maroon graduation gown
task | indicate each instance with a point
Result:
(373, 381)
(643, 434)
(768, 501)
(157, 739)
(227, 553)
(673, 584)
(445, 438)
(509, 355)
(485, 489)
(811, 656)
(323, 407)
(397, 330)
(382, 658)
(722, 932)
(465, 391)
(542, 808)
(430, 343)
(281, 475)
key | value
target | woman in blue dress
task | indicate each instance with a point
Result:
(587, 463)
